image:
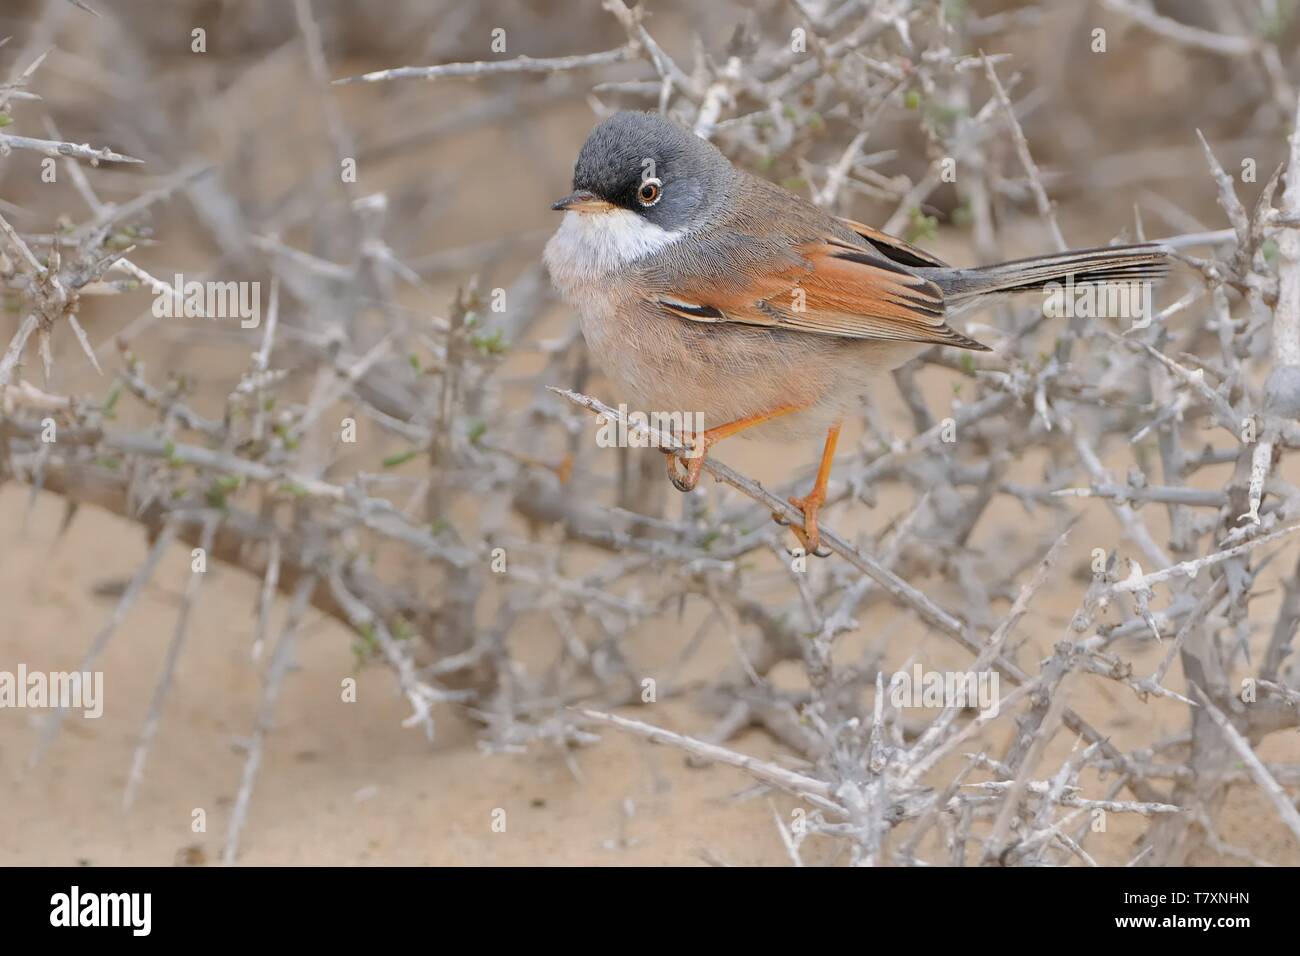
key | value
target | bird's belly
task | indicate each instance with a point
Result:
(715, 374)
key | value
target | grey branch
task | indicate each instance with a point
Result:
(520, 64)
(51, 147)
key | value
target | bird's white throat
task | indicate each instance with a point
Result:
(589, 245)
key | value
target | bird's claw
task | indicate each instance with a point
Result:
(684, 480)
(821, 552)
(809, 535)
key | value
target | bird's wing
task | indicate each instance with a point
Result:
(831, 286)
(893, 248)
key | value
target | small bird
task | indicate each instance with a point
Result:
(703, 289)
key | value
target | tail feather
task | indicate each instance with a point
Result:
(1131, 263)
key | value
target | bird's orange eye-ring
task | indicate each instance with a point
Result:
(650, 191)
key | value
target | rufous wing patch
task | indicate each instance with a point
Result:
(835, 288)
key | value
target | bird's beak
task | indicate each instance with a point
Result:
(582, 201)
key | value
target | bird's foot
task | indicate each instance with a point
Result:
(809, 535)
(684, 468)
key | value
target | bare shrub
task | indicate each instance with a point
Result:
(474, 508)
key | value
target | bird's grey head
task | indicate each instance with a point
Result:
(651, 166)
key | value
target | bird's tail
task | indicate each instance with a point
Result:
(1131, 263)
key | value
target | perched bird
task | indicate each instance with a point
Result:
(703, 289)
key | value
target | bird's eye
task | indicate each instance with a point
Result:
(650, 191)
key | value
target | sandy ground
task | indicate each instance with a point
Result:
(343, 783)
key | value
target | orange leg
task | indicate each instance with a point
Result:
(701, 443)
(810, 504)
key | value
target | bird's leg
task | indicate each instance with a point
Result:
(811, 503)
(702, 442)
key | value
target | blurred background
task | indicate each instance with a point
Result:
(245, 143)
